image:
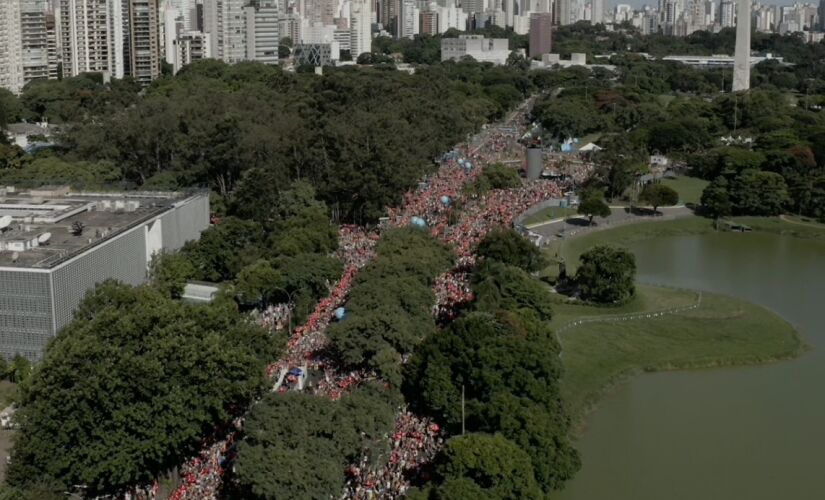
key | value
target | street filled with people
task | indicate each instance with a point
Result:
(415, 439)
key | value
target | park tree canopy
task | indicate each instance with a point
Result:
(500, 286)
(507, 365)
(130, 386)
(297, 445)
(389, 309)
(606, 275)
(658, 195)
(592, 206)
(486, 467)
(509, 247)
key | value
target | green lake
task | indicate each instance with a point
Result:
(728, 434)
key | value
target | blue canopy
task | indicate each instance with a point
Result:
(445, 200)
(340, 313)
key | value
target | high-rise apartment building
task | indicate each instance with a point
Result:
(11, 60)
(262, 31)
(821, 12)
(408, 20)
(388, 13)
(87, 41)
(726, 13)
(145, 40)
(225, 21)
(34, 39)
(541, 34)
(192, 46)
(597, 11)
(360, 28)
(121, 38)
(428, 22)
(52, 48)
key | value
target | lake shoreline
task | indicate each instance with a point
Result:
(684, 226)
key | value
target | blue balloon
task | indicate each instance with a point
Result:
(445, 200)
(340, 313)
(418, 222)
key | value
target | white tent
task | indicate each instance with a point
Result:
(589, 147)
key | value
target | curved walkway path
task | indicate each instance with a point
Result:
(620, 216)
(785, 218)
(630, 316)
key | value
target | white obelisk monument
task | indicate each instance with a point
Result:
(742, 56)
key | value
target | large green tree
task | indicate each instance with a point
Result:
(130, 387)
(169, 273)
(658, 195)
(500, 286)
(492, 463)
(297, 445)
(592, 206)
(509, 247)
(759, 193)
(716, 198)
(606, 275)
(507, 367)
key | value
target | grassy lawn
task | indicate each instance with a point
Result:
(722, 331)
(549, 213)
(793, 226)
(689, 188)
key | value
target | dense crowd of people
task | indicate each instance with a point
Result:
(415, 440)
(275, 317)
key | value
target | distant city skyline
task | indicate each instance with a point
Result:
(638, 4)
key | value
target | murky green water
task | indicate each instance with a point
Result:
(728, 434)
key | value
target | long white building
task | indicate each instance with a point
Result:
(56, 245)
(494, 50)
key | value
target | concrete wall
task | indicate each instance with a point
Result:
(536, 208)
(25, 312)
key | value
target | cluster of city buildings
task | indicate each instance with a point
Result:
(132, 38)
(683, 17)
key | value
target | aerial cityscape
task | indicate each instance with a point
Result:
(350, 249)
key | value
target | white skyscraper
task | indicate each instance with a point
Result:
(120, 36)
(11, 61)
(262, 31)
(408, 19)
(597, 12)
(87, 41)
(173, 26)
(225, 22)
(726, 13)
(360, 28)
(742, 56)
(184, 8)
(34, 39)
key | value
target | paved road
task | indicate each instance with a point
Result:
(577, 225)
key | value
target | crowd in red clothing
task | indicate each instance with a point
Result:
(415, 440)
